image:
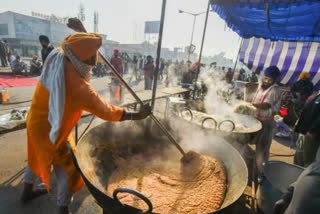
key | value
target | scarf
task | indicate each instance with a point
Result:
(53, 79)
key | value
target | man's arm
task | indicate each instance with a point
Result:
(262, 106)
(314, 128)
(281, 205)
(272, 100)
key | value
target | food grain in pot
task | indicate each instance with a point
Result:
(195, 187)
(246, 109)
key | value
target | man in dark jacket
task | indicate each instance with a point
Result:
(3, 54)
(148, 73)
(242, 75)
(303, 87)
(229, 76)
(46, 47)
(309, 125)
(8, 50)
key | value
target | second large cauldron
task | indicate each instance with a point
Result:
(120, 135)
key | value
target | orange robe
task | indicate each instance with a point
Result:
(79, 96)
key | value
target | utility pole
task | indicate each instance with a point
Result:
(194, 23)
(95, 21)
(201, 49)
(82, 14)
(155, 77)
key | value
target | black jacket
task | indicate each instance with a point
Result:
(302, 86)
(310, 118)
(45, 52)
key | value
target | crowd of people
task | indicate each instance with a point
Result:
(14, 61)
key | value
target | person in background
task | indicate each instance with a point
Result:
(195, 66)
(309, 125)
(125, 60)
(253, 78)
(239, 92)
(302, 197)
(161, 68)
(35, 66)
(303, 88)
(46, 47)
(188, 75)
(8, 51)
(49, 126)
(17, 66)
(213, 65)
(241, 76)
(229, 76)
(135, 65)
(141, 62)
(267, 100)
(116, 61)
(300, 92)
(148, 73)
(3, 54)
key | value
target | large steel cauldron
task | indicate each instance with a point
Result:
(232, 126)
(277, 177)
(96, 177)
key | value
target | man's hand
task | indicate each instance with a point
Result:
(280, 207)
(144, 112)
(263, 106)
(308, 136)
(76, 25)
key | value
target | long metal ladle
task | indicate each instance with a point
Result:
(76, 25)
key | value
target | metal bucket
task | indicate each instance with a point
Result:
(277, 177)
(237, 172)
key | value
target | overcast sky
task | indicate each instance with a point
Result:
(123, 20)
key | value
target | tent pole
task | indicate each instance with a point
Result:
(155, 77)
(236, 62)
(201, 49)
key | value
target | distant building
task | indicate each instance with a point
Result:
(22, 32)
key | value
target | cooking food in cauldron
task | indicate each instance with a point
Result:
(196, 185)
(246, 109)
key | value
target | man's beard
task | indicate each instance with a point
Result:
(265, 86)
(44, 46)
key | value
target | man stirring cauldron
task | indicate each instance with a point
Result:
(61, 95)
(267, 101)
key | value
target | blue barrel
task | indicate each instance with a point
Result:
(277, 177)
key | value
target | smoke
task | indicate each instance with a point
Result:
(172, 77)
(220, 98)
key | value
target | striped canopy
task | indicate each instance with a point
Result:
(291, 58)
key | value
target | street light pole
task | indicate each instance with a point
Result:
(201, 49)
(194, 23)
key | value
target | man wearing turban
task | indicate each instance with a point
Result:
(46, 47)
(267, 101)
(303, 87)
(61, 95)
